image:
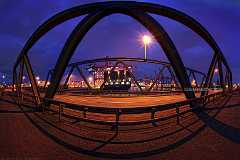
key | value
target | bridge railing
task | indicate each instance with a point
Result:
(193, 104)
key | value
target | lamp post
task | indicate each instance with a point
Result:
(146, 41)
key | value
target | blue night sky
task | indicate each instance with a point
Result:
(118, 35)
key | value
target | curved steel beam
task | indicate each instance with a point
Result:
(151, 24)
(147, 7)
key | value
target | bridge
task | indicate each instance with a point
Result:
(146, 119)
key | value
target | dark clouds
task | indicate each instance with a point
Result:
(117, 35)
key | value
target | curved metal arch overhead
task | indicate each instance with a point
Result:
(142, 7)
(151, 24)
(145, 7)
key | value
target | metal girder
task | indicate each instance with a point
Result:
(49, 74)
(202, 82)
(14, 80)
(134, 78)
(127, 59)
(220, 70)
(32, 80)
(19, 82)
(119, 59)
(157, 78)
(209, 76)
(190, 70)
(230, 83)
(173, 78)
(151, 24)
(84, 78)
(20, 75)
(190, 73)
(69, 75)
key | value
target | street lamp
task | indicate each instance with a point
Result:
(146, 41)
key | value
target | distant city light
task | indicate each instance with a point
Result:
(215, 70)
(23, 77)
(37, 78)
(193, 82)
(3, 76)
(90, 79)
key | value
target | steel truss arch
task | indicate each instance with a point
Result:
(142, 9)
(152, 25)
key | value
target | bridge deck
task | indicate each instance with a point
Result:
(191, 139)
(126, 101)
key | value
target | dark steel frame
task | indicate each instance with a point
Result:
(122, 60)
(137, 10)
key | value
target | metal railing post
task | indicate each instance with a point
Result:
(117, 120)
(153, 117)
(177, 111)
(43, 107)
(85, 112)
(61, 107)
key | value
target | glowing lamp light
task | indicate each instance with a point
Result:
(146, 39)
(215, 70)
(37, 78)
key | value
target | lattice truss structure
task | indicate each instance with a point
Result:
(164, 74)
